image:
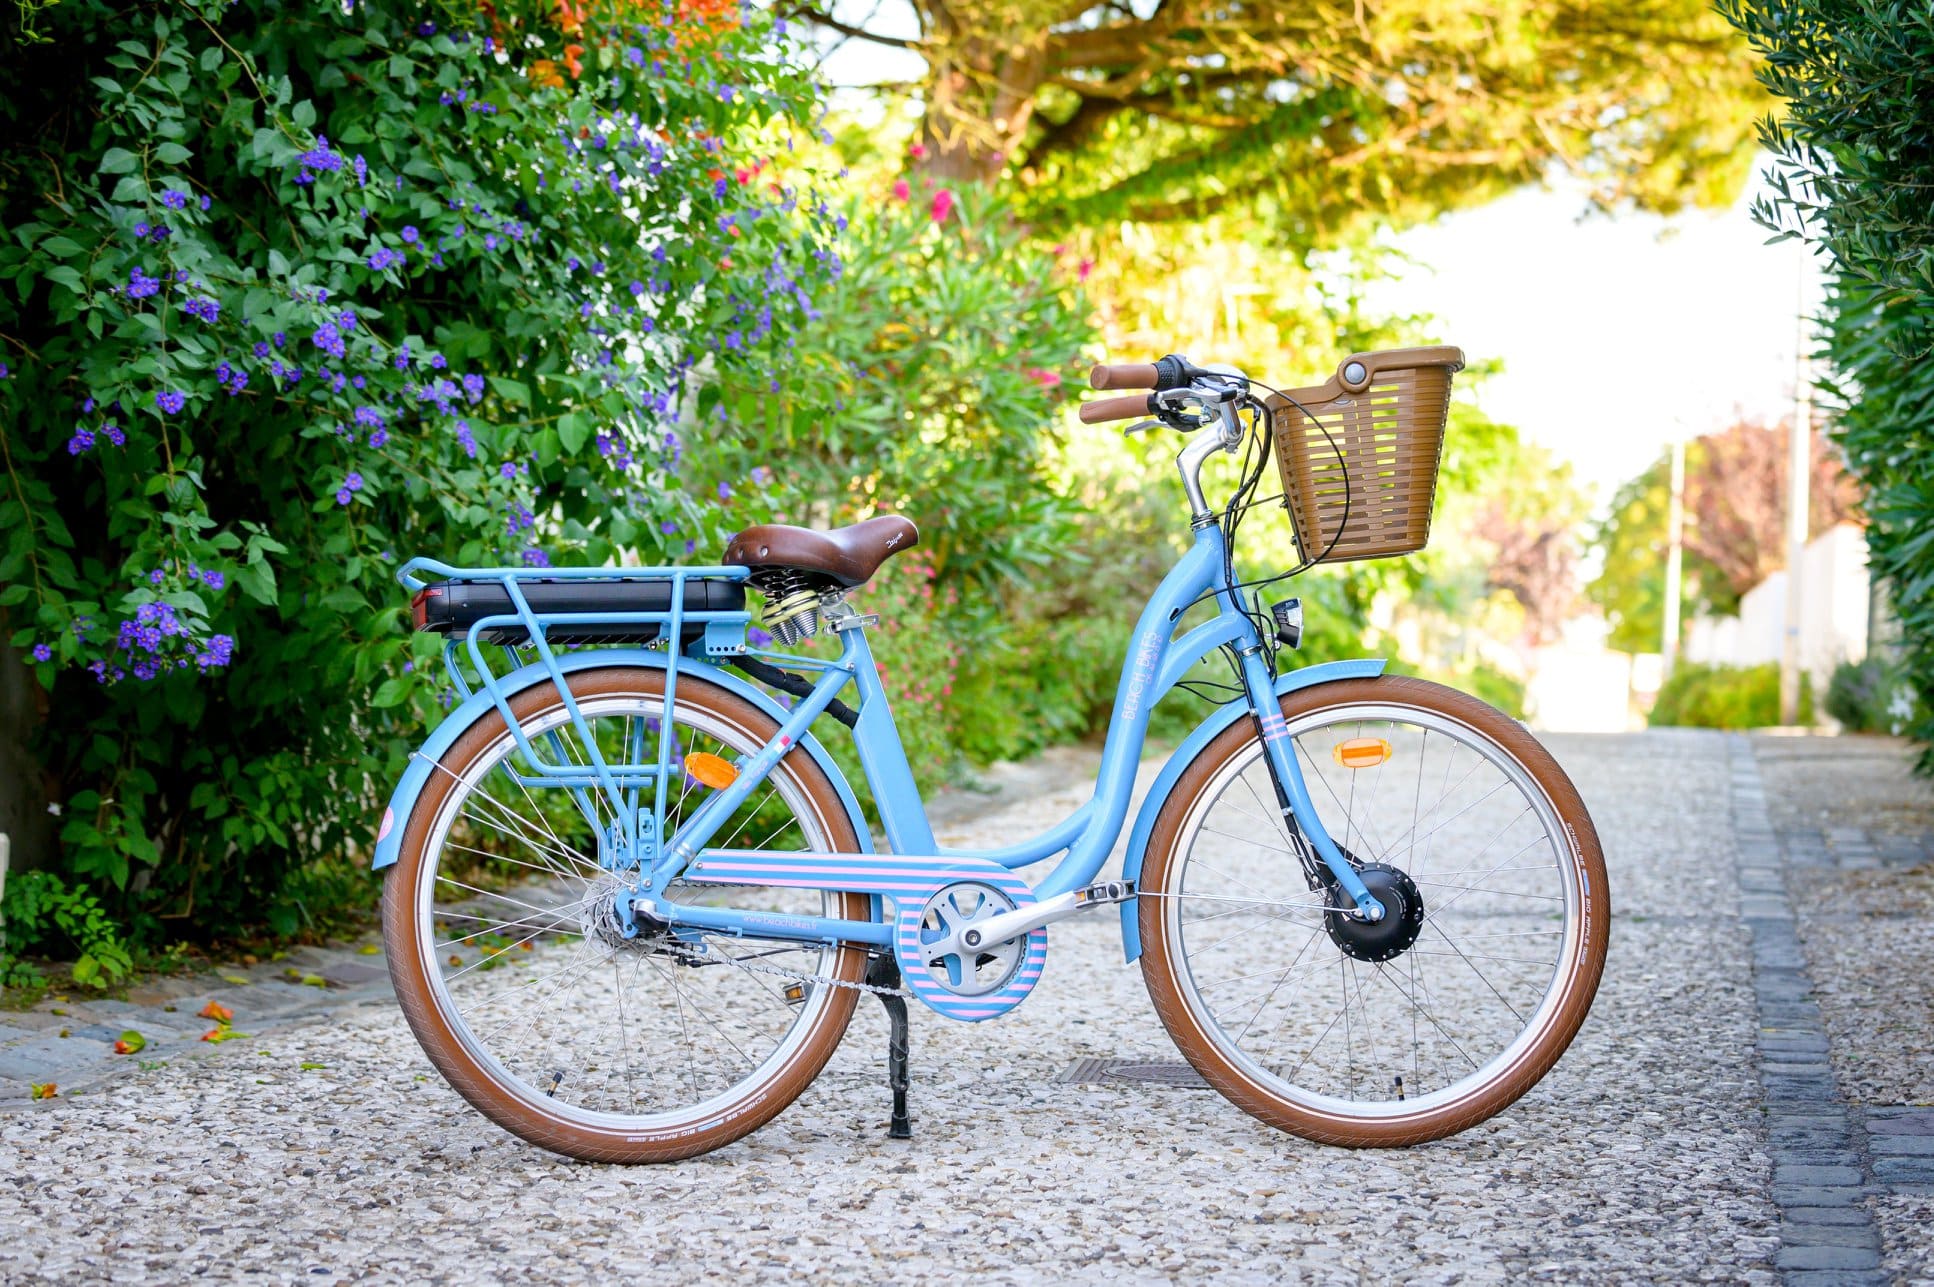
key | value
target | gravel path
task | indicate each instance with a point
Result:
(328, 1151)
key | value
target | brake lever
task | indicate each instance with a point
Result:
(1143, 426)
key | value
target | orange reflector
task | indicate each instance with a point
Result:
(711, 770)
(1361, 752)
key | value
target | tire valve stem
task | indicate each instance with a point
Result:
(557, 1079)
(1399, 1081)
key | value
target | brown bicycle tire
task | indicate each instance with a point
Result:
(1160, 971)
(409, 972)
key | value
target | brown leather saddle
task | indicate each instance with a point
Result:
(849, 555)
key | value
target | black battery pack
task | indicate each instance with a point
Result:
(452, 607)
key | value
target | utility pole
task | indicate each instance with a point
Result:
(1799, 470)
(1675, 530)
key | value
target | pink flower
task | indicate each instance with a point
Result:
(943, 204)
(1060, 249)
(1046, 378)
(900, 190)
(918, 151)
(1087, 266)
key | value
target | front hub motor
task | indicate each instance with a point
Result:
(1403, 915)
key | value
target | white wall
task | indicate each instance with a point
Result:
(1833, 612)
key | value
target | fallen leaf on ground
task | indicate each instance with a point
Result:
(215, 1010)
(370, 949)
(313, 1067)
(314, 981)
(130, 1042)
(239, 980)
(45, 1090)
(223, 1033)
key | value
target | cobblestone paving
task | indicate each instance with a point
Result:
(325, 1149)
(1855, 837)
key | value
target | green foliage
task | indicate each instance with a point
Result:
(43, 914)
(1630, 586)
(247, 371)
(1325, 116)
(1853, 176)
(1874, 695)
(1726, 697)
(928, 385)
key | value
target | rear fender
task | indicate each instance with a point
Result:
(389, 835)
(1206, 732)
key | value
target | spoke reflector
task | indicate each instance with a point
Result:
(710, 770)
(1361, 752)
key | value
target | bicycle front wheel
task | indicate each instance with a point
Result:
(513, 967)
(1386, 1034)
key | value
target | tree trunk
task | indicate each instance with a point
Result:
(979, 98)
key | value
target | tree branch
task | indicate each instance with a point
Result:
(812, 14)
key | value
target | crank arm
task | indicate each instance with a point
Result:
(1025, 920)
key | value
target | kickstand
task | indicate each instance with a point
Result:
(884, 972)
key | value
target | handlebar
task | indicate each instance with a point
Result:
(1124, 375)
(1127, 407)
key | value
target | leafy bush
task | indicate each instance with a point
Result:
(1854, 172)
(927, 384)
(1726, 697)
(42, 914)
(288, 295)
(1873, 696)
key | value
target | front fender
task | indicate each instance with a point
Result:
(1206, 732)
(389, 837)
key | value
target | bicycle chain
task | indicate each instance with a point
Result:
(784, 973)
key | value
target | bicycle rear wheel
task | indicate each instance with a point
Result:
(1377, 1035)
(513, 972)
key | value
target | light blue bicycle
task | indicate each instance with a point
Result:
(633, 901)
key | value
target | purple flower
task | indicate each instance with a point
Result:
(82, 440)
(113, 432)
(213, 580)
(536, 558)
(205, 202)
(157, 576)
(342, 496)
(362, 170)
(473, 387)
(140, 285)
(346, 319)
(174, 198)
(466, 439)
(141, 231)
(170, 401)
(206, 309)
(383, 257)
(725, 490)
(409, 233)
(43, 653)
(369, 417)
(508, 469)
(379, 439)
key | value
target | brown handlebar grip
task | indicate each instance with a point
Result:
(1127, 407)
(1122, 375)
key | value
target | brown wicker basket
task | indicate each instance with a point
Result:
(1363, 489)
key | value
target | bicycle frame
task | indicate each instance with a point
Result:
(1157, 659)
